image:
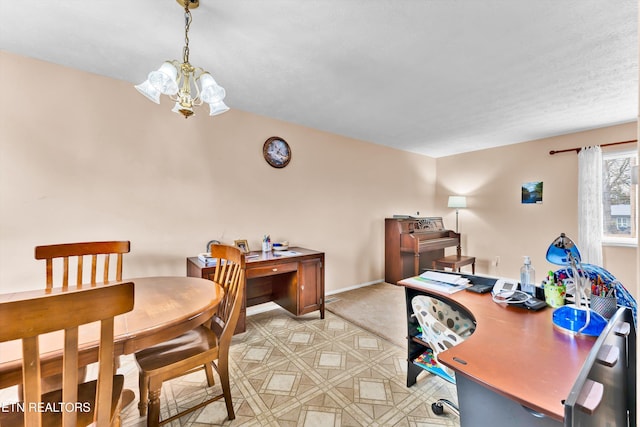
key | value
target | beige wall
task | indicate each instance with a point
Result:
(84, 157)
(496, 223)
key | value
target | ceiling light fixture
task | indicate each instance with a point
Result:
(185, 84)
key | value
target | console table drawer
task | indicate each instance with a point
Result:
(271, 270)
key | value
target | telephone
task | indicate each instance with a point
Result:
(506, 291)
(503, 285)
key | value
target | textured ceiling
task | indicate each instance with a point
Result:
(428, 76)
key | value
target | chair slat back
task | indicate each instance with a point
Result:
(77, 252)
(27, 319)
(229, 273)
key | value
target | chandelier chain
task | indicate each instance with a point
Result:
(187, 24)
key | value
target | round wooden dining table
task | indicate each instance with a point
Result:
(164, 308)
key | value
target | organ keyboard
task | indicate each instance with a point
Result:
(413, 243)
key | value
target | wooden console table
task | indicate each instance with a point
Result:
(295, 282)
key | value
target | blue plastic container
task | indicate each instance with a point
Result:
(572, 319)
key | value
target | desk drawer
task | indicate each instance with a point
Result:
(271, 270)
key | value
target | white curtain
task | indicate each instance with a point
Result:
(590, 205)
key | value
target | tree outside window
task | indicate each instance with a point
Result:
(619, 197)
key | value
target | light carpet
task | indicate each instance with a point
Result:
(379, 308)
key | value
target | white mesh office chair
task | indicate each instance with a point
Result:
(443, 327)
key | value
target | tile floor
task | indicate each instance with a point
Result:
(305, 372)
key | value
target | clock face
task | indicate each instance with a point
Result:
(276, 152)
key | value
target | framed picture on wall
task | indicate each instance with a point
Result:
(242, 245)
(532, 192)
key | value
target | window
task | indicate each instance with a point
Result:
(623, 223)
(619, 198)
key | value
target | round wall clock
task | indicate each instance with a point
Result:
(276, 152)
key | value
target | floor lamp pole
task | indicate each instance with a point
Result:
(457, 202)
(457, 210)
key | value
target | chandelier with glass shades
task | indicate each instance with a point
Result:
(185, 84)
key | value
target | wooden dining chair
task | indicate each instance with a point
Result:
(70, 258)
(96, 401)
(199, 348)
(76, 253)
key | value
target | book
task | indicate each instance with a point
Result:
(206, 259)
(429, 362)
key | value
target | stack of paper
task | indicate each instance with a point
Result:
(285, 253)
(452, 279)
(441, 282)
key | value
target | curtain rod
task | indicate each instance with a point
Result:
(577, 150)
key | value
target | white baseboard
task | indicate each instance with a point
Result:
(350, 288)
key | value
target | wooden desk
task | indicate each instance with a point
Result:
(514, 354)
(164, 308)
(296, 282)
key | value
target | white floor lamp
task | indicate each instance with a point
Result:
(457, 202)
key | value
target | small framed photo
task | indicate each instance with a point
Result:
(532, 192)
(242, 245)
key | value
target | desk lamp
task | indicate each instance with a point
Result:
(577, 317)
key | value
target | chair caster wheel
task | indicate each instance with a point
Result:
(437, 408)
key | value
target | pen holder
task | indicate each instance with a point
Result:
(605, 306)
(554, 295)
(266, 246)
